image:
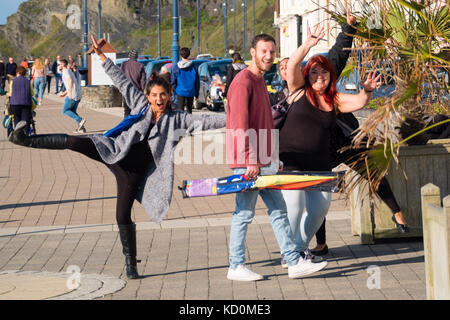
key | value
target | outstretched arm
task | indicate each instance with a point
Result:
(294, 73)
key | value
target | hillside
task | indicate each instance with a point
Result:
(40, 27)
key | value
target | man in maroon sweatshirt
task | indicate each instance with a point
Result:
(251, 150)
(134, 71)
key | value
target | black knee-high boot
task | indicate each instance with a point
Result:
(127, 234)
(42, 141)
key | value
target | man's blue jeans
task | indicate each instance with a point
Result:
(70, 109)
(58, 80)
(243, 216)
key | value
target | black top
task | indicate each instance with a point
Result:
(305, 137)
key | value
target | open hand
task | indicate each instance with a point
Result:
(315, 36)
(97, 45)
(372, 81)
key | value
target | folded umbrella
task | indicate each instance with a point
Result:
(319, 181)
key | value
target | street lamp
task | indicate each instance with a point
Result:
(244, 4)
(234, 24)
(85, 34)
(176, 35)
(99, 18)
(159, 28)
(253, 29)
(198, 27)
(225, 27)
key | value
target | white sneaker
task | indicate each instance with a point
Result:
(305, 267)
(242, 273)
(81, 124)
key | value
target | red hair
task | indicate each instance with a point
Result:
(330, 94)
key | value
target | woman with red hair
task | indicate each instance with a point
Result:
(305, 136)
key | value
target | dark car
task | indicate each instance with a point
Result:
(207, 70)
(155, 66)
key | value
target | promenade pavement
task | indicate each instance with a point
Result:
(58, 238)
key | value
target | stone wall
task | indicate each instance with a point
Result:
(100, 97)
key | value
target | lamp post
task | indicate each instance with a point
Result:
(253, 29)
(99, 18)
(234, 25)
(176, 35)
(198, 27)
(225, 27)
(159, 28)
(85, 34)
(245, 29)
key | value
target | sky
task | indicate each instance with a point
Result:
(8, 7)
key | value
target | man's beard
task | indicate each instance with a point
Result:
(262, 67)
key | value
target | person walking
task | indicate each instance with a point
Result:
(248, 118)
(185, 81)
(236, 66)
(311, 116)
(141, 157)
(20, 93)
(134, 71)
(49, 75)
(73, 96)
(58, 75)
(2, 75)
(11, 68)
(38, 72)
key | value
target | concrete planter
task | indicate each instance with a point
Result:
(100, 97)
(422, 165)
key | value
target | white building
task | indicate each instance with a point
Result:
(293, 17)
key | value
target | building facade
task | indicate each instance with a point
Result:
(292, 19)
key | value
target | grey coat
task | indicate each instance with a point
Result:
(155, 192)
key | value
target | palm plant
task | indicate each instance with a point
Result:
(408, 42)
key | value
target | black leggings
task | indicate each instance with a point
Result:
(129, 172)
(385, 193)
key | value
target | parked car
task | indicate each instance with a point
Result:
(155, 66)
(209, 96)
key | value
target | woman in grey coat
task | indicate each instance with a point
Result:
(141, 158)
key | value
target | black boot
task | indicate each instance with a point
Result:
(41, 141)
(127, 234)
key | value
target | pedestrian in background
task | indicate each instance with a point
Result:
(38, 72)
(20, 93)
(236, 66)
(73, 96)
(58, 75)
(2, 75)
(11, 68)
(134, 71)
(49, 74)
(185, 81)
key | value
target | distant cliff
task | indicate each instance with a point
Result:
(48, 27)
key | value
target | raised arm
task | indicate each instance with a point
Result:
(338, 55)
(353, 102)
(294, 73)
(133, 97)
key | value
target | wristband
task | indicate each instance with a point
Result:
(367, 90)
